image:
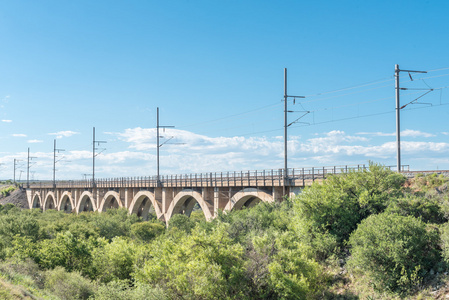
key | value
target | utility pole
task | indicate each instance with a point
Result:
(28, 167)
(158, 143)
(286, 125)
(15, 168)
(398, 109)
(94, 155)
(54, 162)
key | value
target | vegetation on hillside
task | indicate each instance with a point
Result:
(6, 190)
(362, 235)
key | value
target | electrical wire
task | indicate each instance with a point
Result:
(322, 99)
(230, 116)
(434, 70)
(370, 83)
(352, 87)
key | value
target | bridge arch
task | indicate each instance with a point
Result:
(110, 200)
(184, 203)
(66, 204)
(50, 201)
(248, 198)
(86, 203)
(141, 205)
(36, 201)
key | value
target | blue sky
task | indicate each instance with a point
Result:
(215, 69)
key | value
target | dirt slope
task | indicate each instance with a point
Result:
(18, 198)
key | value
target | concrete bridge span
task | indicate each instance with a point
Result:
(176, 194)
(164, 202)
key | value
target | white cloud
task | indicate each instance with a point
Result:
(445, 133)
(200, 153)
(424, 147)
(7, 121)
(5, 99)
(61, 134)
(78, 154)
(416, 133)
(404, 133)
(376, 133)
(19, 135)
(35, 141)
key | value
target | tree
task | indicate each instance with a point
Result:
(327, 212)
(115, 260)
(67, 251)
(395, 251)
(146, 231)
(196, 266)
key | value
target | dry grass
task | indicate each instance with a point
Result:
(12, 292)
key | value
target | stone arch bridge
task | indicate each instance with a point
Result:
(176, 194)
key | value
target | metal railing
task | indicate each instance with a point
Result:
(258, 178)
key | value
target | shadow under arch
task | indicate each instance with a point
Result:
(50, 201)
(184, 203)
(248, 198)
(86, 203)
(142, 205)
(110, 200)
(36, 201)
(66, 204)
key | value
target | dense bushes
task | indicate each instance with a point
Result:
(65, 285)
(327, 213)
(7, 190)
(367, 223)
(397, 252)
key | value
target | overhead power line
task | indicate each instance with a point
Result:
(231, 116)
(318, 97)
(352, 87)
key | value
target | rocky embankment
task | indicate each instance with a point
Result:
(17, 197)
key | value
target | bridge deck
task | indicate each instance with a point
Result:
(296, 177)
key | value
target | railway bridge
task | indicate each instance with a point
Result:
(176, 194)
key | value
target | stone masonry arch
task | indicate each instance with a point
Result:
(185, 200)
(36, 201)
(248, 197)
(50, 201)
(66, 204)
(141, 206)
(86, 202)
(110, 200)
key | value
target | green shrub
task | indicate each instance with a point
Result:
(196, 266)
(326, 213)
(246, 223)
(121, 290)
(115, 260)
(292, 274)
(444, 236)
(18, 223)
(68, 286)
(66, 251)
(25, 272)
(113, 222)
(427, 182)
(9, 208)
(396, 252)
(6, 191)
(181, 222)
(146, 231)
(429, 210)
